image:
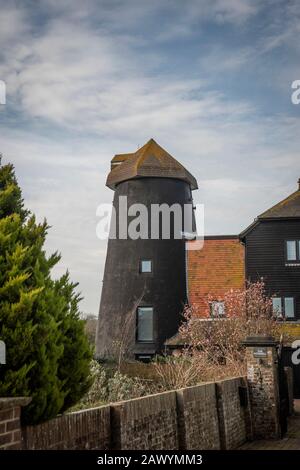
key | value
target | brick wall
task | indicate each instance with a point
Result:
(10, 428)
(87, 429)
(233, 418)
(219, 415)
(146, 423)
(262, 378)
(190, 418)
(198, 418)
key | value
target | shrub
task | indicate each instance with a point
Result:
(213, 347)
(109, 386)
(121, 387)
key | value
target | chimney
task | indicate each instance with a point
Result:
(299, 183)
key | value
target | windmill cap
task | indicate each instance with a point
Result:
(151, 160)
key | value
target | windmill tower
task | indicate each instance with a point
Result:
(145, 280)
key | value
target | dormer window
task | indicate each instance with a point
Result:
(114, 164)
(293, 251)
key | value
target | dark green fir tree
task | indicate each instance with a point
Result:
(47, 352)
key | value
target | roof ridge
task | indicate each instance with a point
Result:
(142, 153)
(289, 198)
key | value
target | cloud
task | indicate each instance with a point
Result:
(76, 73)
(283, 28)
(94, 82)
(233, 11)
(220, 59)
(12, 24)
(90, 79)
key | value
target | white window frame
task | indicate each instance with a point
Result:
(282, 310)
(146, 260)
(297, 251)
(217, 309)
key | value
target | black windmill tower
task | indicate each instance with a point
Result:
(145, 280)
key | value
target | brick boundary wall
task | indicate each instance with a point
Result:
(198, 417)
(234, 417)
(262, 378)
(146, 423)
(207, 416)
(83, 430)
(216, 415)
(10, 427)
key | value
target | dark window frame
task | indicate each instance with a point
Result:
(292, 261)
(137, 326)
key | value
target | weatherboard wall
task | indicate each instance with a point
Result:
(266, 258)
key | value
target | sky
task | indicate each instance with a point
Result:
(210, 81)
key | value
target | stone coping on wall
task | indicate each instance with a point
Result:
(81, 430)
(163, 399)
(12, 402)
(164, 394)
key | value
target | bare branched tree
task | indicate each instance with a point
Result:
(213, 346)
(90, 327)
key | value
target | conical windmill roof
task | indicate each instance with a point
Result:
(151, 160)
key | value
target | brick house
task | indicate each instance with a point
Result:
(213, 271)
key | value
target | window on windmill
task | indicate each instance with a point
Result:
(146, 266)
(143, 357)
(145, 324)
(217, 309)
(116, 164)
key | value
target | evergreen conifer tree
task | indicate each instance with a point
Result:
(47, 352)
